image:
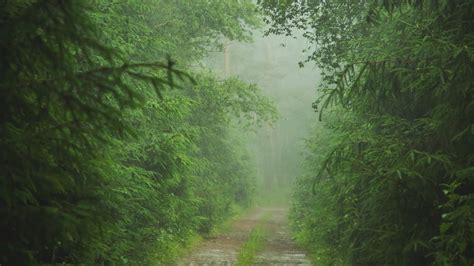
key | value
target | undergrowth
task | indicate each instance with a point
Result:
(254, 245)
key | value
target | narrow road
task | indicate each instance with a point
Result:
(279, 248)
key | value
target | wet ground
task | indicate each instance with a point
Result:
(279, 248)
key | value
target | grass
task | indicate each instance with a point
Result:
(176, 250)
(254, 244)
(226, 225)
(173, 250)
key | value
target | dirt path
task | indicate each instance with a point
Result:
(279, 248)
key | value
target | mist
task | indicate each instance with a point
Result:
(272, 62)
(224, 132)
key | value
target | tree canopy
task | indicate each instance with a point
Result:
(392, 169)
(105, 145)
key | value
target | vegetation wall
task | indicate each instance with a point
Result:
(389, 175)
(108, 153)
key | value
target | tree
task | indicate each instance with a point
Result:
(97, 161)
(394, 185)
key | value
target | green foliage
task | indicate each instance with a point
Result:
(392, 169)
(62, 101)
(224, 173)
(146, 30)
(100, 164)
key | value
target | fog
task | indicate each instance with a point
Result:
(272, 62)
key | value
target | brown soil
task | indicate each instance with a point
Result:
(279, 248)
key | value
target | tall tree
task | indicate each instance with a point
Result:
(396, 184)
(97, 167)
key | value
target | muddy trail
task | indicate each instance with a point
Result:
(279, 248)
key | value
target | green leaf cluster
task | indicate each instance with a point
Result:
(391, 168)
(108, 153)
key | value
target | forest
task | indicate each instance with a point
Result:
(237, 132)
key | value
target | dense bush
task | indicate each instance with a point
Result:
(100, 163)
(391, 167)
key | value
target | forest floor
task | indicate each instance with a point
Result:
(278, 247)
